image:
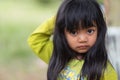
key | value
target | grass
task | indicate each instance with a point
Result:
(17, 21)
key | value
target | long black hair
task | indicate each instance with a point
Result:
(70, 14)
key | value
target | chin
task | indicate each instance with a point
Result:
(82, 52)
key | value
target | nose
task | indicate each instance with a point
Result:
(82, 38)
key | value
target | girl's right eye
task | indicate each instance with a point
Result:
(74, 33)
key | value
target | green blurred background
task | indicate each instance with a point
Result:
(18, 18)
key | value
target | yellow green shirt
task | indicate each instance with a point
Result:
(41, 43)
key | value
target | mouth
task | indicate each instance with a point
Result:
(83, 47)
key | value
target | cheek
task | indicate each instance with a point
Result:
(92, 40)
(71, 41)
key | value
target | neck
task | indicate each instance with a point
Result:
(80, 56)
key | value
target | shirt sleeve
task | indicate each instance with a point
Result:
(40, 41)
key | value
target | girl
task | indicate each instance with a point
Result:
(77, 51)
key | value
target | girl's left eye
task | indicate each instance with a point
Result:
(90, 31)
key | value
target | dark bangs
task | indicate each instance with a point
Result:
(80, 15)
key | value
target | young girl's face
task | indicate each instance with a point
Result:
(81, 40)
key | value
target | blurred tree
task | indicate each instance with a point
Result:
(46, 1)
(114, 13)
(100, 1)
(106, 6)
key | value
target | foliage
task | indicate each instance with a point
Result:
(100, 1)
(18, 18)
(46, 2)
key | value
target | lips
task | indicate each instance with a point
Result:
(83, 47)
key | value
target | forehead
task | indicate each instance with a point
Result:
(84, 25)
(81, 25)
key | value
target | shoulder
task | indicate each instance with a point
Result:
(110, 73)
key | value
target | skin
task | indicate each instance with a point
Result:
(81, 40)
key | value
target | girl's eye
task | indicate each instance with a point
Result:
(74, 33)
(90, 31)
